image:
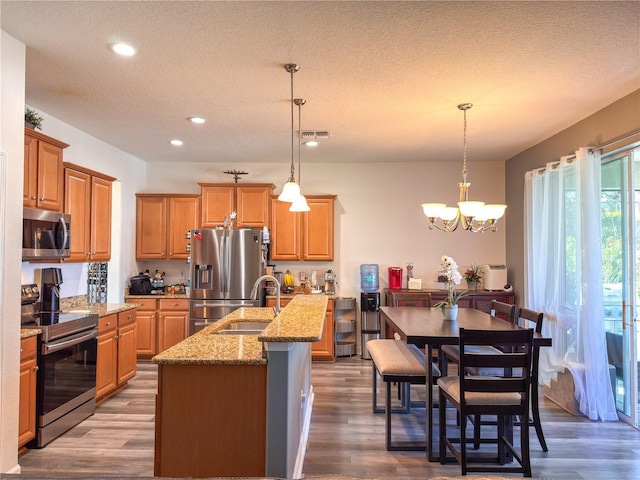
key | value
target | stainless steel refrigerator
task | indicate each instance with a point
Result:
(225, 263)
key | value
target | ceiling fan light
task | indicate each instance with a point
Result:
(433, 210)
(470, 209)
(290, 191)
(299, 205)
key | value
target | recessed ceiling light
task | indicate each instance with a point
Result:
(123, 49)
(175, 142)
(197, 119)
(311, 143)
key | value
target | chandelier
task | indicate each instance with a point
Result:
(291, 189)
(476, 217)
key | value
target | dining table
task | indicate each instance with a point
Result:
(427, 329)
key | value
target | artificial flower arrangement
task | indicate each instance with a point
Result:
(472, 274)
(454, 277)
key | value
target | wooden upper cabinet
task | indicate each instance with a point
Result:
(217, 201)
(250, 201)
(318, 229)
(303, 236)
(87, 198)
(162, 224)
(184, 213)
(100, 219)
(43, 171)
(151, 227)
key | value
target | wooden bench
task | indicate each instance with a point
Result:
(396, 361)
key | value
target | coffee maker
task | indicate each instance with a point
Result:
(51, 281)
(330, 283)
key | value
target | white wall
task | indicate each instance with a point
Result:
(12, 62)
(378, 214)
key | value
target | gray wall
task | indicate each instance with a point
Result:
(616, 120)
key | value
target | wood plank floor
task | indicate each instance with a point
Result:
(345, 437)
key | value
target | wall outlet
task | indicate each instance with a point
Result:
(182, 275)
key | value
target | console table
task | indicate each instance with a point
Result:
(480, 300)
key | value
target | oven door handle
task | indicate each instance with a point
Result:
(79, 338)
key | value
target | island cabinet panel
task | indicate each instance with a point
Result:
(43, 171)
(303, 236)
(211, 421)
(250, 201)
(28, 375)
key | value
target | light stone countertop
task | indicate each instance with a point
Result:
(102, 309)
(302, 320)
(29, 332)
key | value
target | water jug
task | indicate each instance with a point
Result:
(369, 277)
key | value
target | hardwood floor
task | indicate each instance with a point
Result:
(345, 437)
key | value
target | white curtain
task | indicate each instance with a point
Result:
(563, 275)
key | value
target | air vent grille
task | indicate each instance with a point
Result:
(318, 134)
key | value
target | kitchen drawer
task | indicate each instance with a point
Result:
(28, 347)
(110, 322)
(127, 317)
(174, 304)
(144, 303)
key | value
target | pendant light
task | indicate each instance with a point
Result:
(291, 189)
(299, 204)
(475, 217)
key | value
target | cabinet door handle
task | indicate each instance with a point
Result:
(33, 198)
(42, 199)
(36, 368)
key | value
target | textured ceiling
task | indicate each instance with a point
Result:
(383, 77)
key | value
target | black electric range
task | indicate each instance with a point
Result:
(54, 325)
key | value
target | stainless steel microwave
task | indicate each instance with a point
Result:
(46, 235)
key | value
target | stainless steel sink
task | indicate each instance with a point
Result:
(243, 328)
(238, 332)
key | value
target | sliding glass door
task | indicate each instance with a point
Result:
(620, 205)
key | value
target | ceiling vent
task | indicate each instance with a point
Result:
(317, 134)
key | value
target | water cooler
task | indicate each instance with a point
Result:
(370, 327)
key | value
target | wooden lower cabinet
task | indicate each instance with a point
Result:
(161, 324)
(323, 349)
(116, 352)
(173, 322)
(28, 375)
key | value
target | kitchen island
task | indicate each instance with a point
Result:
(234, 403)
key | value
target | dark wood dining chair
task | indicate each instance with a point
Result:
(532, 319)
(506, 397)
(502, 310)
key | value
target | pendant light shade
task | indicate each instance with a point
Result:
(299, 204)
(291, 190)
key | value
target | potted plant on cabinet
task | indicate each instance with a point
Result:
(32, 120)
(472, 276)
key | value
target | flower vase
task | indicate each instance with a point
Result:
(450, 312)
(472, 285)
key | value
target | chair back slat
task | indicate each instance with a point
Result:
(519, 356)
(504, 311)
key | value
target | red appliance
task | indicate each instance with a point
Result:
(395, 278)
